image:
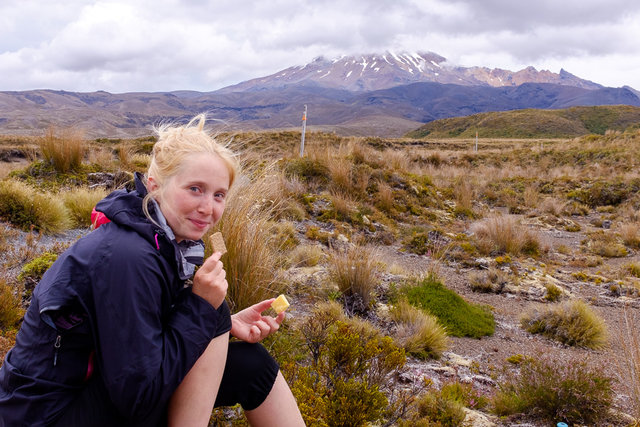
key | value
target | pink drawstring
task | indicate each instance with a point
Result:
(157, 244)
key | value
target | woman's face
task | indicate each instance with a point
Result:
(193, 200)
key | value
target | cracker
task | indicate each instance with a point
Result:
(280, 304)
(217, 242)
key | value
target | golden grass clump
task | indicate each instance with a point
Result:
(630, 234)
(27, 209)
(504, 234)
(80, 201)
(252, 257)
(572, 322)
(11, 310)
(306, 256)
(417, 331)
(354, 271)
(64, 149)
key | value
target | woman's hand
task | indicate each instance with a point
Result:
(209, 281)
(251, 326)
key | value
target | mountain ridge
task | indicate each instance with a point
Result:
(405, 90)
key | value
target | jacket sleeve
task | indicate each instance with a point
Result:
(143, 353)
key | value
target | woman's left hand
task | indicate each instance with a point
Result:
(251, 326)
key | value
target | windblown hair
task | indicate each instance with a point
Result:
(175, 144)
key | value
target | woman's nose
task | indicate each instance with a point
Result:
(206, 205)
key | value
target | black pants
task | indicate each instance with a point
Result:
(248, 377)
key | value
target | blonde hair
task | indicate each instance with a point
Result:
(174, 144)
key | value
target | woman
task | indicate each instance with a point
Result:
(114, 337)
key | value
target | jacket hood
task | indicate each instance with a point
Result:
(124, 207)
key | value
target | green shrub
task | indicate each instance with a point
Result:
(554, 391)
(459, 318)
(418, 332)
(351, 374)
(23, 207)
(572, 323)
(464, 394)
(33, 271)
(436, 408)
(80, 202)
(308, 170)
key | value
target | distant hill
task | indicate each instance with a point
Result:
(378, 95)
(531, 123)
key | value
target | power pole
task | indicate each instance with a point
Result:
(304, 129)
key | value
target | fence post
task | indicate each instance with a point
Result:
(304, 129)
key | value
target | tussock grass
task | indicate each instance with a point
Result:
(252, 259)
(306, 256)
(64, 149)
(80, 201)
(628, 339)
(503, 234)
(418, 332)
(27, 209)
(572, 322)
(552, 390)
(458, 317)
(11, 310)
(630, 234)
(354, 271)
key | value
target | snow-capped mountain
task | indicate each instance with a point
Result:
(383, 71)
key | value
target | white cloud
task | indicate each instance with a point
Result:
(159, 45)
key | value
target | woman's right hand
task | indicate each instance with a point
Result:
(209, 281)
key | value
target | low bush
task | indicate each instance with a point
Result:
(351, 378)
(33, 271)
(572, 323)
(418, 332)
(573, 392)
(23, 207)
(460, 318)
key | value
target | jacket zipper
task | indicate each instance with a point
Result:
(56, 345)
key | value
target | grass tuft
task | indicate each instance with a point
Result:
(572, 322)
(80, 202)
(418, 332)
(23, 207)
(354, 271)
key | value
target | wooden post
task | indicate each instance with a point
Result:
(304, 129)
(476, 149)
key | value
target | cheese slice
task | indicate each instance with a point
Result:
(280, 304)
(217, 242)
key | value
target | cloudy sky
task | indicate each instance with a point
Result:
(164, 45)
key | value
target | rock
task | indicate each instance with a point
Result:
(606, 224)
(477, 419)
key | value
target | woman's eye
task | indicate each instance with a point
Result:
(220, 195)
(194, 189)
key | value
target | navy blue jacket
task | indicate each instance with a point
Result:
(112, 303)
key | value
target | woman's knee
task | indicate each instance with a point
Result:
(250, 373)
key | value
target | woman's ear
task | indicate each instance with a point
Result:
(152, 185)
